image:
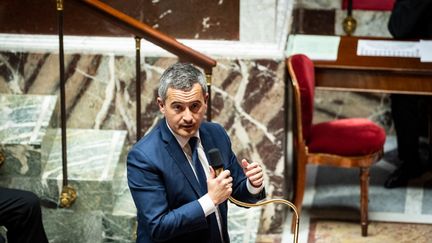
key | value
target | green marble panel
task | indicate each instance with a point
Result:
(70, 226)
(93, 157)
(26, 133)
(120, 225)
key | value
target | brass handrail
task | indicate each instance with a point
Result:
(168, 43)
(138, 86)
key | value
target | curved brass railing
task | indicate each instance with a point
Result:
(277, 200)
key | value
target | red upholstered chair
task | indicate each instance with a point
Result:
(349, 143)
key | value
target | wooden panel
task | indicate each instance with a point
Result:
(374, 74)
(188, 19)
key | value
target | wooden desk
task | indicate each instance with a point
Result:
(373, 74)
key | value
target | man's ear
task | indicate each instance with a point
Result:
(161, 105)
(206, 98)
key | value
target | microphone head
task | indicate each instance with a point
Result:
(215, 158)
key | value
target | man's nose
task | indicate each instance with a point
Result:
(187, 115)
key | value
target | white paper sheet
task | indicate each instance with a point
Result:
(425, 47)
(316, 47)
(388, 48)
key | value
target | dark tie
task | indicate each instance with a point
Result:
(202, 179)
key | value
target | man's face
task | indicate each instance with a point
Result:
(184, 110)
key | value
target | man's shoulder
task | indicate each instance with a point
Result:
(150, 139)
(214, 130)
(212, 126)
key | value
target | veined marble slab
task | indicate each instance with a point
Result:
(121, 224)
(93, 157)
(243, 223)
(26, 134)
(69, 226)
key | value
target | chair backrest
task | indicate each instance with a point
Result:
(302, 72)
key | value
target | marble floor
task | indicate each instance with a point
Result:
(330, 207)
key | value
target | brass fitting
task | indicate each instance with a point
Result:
(137, 42)
(349, 25)
(59, 5)
(208, 79)
(67, 196)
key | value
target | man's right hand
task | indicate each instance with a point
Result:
(220, 187)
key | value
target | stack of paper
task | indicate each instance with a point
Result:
(425, 47)
(388, 48)
(316, 47)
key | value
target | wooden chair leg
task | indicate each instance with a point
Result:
(300, 183)
(364, 199)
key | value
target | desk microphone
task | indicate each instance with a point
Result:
(217, 165)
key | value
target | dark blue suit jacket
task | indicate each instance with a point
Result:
(166, 192)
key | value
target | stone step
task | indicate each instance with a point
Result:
(72, 226)
(121, 224)
(104, 210)
(95, 226)
(93, 157)
(118, 225)
(26, 133)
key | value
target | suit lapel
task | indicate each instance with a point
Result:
(177, 154)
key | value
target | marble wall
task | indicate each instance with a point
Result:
(247, 96)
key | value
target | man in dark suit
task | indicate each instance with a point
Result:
(410, 20)
(20, 213)
(175, 203)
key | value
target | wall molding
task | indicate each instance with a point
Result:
(126, 46)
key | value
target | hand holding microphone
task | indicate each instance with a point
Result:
(219, 186)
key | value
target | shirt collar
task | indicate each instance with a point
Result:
(181, 140)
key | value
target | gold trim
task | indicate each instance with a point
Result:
(67, 197)
(137, 43)
(349, 25)
(59, 5)
(265, 202)
(208, 79)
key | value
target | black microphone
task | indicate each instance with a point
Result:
(215, 160)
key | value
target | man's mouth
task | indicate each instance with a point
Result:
(188, 126)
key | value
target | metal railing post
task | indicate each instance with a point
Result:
(138, 86)
(68, 194)
(209, 112)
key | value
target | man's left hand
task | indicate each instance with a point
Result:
(253, 172)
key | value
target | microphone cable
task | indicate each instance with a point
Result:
(217, 165)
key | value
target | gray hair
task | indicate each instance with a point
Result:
(181, 76)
